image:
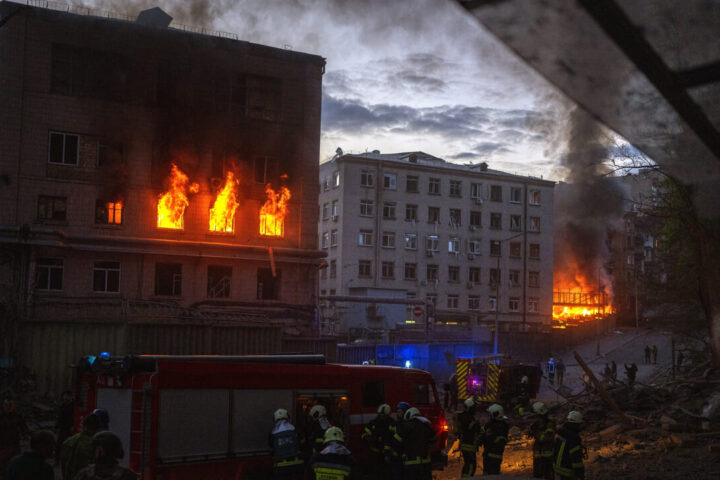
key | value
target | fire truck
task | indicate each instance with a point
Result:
(494, 379)
(202, 417)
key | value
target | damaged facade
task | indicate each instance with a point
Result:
(95, 114)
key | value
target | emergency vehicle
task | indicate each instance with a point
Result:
(201, 417)
(494, 379)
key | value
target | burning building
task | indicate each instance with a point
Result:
(155, 173)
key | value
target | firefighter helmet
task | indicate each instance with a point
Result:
(404, 406)
(411, 413)
(318, 411)
(469, 403)
(539, 408)
(334, 434)
(110, 443)
(575, 417)
(496, 411)
(524, 379)
(281, 414)
(103, 416)
(384, 409)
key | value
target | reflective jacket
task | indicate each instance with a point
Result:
(285, 446)
(414, 438)
(316, 436)
(378, 435)
(543, 431)
(469, 430)
(76, 453)
(568, 454)
(494, 438)
(334, 462)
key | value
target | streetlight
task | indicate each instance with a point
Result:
(497, 289)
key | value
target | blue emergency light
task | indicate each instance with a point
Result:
(105, 355)
(408, 364)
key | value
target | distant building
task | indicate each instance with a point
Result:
(469, 240)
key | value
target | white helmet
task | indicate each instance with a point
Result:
(496, 411)
(524, 379)
(281, 414)
(411, 413)
(469, 403)
(575, 417)
(539, 408)
(384, 409)
(318, 411)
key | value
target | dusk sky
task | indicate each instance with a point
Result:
(404, 75)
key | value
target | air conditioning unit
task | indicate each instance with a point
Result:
(470, 285)
(471, 256)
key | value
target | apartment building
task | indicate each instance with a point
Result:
(95, 111)
(475, 243)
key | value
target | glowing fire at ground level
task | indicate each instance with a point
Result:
(571, 308)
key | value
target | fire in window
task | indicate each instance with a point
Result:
(222, 213)
(172, 204)
(108, 213)
(273, 212)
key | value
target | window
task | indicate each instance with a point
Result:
(515, 249)
(473, 302)
(411, 212)
(514, 304)
(334, 238)
(263, 168)
(333, 268)
(108, 213)
(454, 245)
(325, 211)
(49, 274)
(534, 224)
(388, 269)
(389, 211)
(364, 268)
(218, 281)
(492, 304)
(411, 184)
(423, 394)
(365, 238)
(264, 97)
(455, 188)
(85, 72)
(433, 214)
(474, 275)
(476, 191)
(431, 298)
(533, 304)
(230, 90)
(534, 251)
(411, 241)
(534, 197)
(474, 247)
(366, 208)
(495, 248)
(323, 272)
(64, 149)
(168, 279)
(496, 221)
(334, 210)
(390, 181)
(325, 240)
(515, 221)
(452, 302)
(494, 277)
(453, 274)
(52, 208)
(455, 217)
(431, 243)
(106, 277)
(515, 195)
(410, 271)
(268, 286)
(336, 179)
(432, 273)
(434, 186)
(367, 178)
(388, 239)
(325, 184)
(373, 394)
(534, 279)
(495, 193)
(514, 277)
(476, 219)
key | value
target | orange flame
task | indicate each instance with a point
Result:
(222, 213)
(172, 204)
(272, 214)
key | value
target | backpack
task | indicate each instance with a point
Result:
(285, 445)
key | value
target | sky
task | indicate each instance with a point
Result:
(403, 75)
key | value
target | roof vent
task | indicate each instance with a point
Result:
(376, 152)
(483, 167)
(154, 17)
(412, 158)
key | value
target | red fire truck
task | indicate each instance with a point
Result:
(202, 417)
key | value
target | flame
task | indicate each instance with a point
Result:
(172, 204)
(272, 214)
(222, 212)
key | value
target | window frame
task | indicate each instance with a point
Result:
(51, 265)
(368, 206)
(389, 181)
(107, 271)
(365, 235)
(367, 178)
(64, 146)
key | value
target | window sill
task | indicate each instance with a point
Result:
(361, 245)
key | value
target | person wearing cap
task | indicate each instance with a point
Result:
(378, 435)
(108, 451)
(334, 462)
(32, 465)
(285, 446)
(319, 424)
(469, 430)
(543, 432)
(494, 439)
(77, 452)
(104, 417)
(568, 451)
(414, 438)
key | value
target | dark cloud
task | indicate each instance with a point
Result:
(485, 149)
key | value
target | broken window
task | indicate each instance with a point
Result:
(218, 281)
(534, 197)
(106, 277)
(64, 149)
(454, 245)
(533, 304)
(534, 224)
(52, 208)
(49, 274)
(268, 286)
(168, 279)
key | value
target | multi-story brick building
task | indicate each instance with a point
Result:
(473, 242)
(93, 113)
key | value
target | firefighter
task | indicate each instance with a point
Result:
(523, 395)
(469, 430)
(378, 435)
(32, 465)
(104, 417)
(285, 446)
(414, 438)
(77, 452)
(568, 451)
(543, 431)
(108, 452)
(318, 427)
(395, 453)
(12, 430)
(495, 436)
(334, 462)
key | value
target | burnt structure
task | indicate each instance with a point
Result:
(94, 112)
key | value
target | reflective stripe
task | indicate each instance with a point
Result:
(497, 439)
(559, 469)
(468, 447)
(289, 463)
(416, 461)
(398, 438)
(575, 449)
(330, 473)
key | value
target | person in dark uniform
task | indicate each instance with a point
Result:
(285, 446)
(32, 465)
(318, 426)
(414, 438)
(65, 420)
(631, 372)
(469, 430)
(495, 436)
(543, 432)
(334, 462)
(378, 435)
(12, 429)
(568, 451)
(108, 452)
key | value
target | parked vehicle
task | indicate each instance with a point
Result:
(494, 379)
